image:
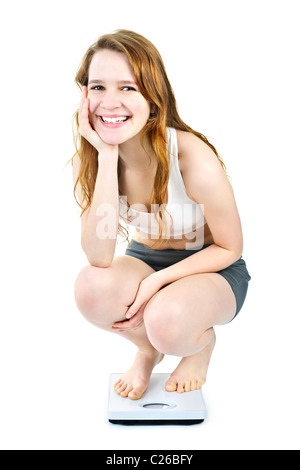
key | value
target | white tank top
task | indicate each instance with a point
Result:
(183, 215)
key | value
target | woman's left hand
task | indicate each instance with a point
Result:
(135, 313)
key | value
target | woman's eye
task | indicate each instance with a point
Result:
(128, 88)
(101, 88)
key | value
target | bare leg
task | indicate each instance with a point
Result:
(187, 310)
(135, 381)
(103, 296)
(191, 372)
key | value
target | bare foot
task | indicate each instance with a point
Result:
(191, 372)
(135, 381)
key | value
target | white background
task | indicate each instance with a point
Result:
(234, 68)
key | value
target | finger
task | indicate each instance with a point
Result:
(84, 106)
(84, 112)
(120, 324)
(126, 330)
(134, 308)
(83, 97)
(130, 314)
(128, 325)
(83, 118)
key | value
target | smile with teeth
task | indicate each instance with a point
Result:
(114, 120)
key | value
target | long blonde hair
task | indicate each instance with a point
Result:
(154, 85)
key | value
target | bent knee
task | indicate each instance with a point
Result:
(163, 322)
(93, 290)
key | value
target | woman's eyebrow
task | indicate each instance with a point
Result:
(121, 82)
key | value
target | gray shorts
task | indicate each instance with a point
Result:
(237, 274)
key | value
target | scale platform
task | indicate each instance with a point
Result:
(157, 406)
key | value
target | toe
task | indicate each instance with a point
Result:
(187, 386)
(117, 383)
(193, 385)
(119, 387)
(123, 388)
(126, 391)
(171, 385)
(136, 394)
(199, 385)
(180, 388)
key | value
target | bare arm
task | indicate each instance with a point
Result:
(207, 183)
(99, 223)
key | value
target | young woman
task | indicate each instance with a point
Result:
(137, 162)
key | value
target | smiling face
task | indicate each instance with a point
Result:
(118, 111)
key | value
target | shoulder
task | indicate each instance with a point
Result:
(193, 151)
(199, 165)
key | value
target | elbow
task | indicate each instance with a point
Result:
(100, 264)
(98, 260)
(234, 252)
(238, 251)
(237, 255)
(241, 247)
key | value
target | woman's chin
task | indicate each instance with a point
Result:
(111, 139)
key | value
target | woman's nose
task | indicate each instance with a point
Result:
(110, 100)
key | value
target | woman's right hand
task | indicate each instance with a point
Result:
(85, 128)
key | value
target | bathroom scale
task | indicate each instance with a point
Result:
(157, 406)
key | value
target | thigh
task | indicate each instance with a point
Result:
(115, 285)
(127, 273)
(194, 303)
